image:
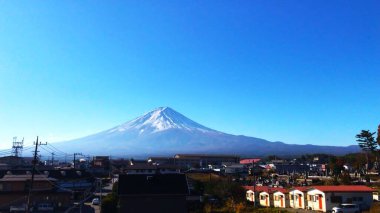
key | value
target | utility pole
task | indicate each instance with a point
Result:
(33, 172)
(52, 158)
(75, 154)
(254, 183)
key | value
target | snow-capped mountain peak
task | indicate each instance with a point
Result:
(161, 119)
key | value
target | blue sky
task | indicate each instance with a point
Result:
(302, 72)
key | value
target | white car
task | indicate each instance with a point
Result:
(346, 207)
(95, 201)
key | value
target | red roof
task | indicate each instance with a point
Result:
(301, 188)
(344, 188)
(266, 189)
(249, 161)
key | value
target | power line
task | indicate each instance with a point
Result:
(34, 170)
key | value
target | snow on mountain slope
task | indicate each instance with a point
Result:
(160, 119)
(164, 131)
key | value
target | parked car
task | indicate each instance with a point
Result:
(346, 208)
(95, 201)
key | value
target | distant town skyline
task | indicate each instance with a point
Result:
(297, 72)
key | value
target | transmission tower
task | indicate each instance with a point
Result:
(17, 147)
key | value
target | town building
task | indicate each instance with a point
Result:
(161, 160)
(250, 161)
(145, 168)
(101, 165)
(202, 161)
(280, 199)
(263, 193)
(297, 197)
(14, 191)
(252, 192)
(324, 198)
(153, 193)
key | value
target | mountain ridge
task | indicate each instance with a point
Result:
(165, 131)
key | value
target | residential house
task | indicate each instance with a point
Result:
(101, 165)
(265, 198)
(161, 160)
(280, 199)
(79, 182)
(297, 197)
(145, 168)
(324, 198)
(250, 161)
(375, 196)
(202, 161)
(235, 168)
(264, 193)
(14, 162)
(252, 192)
(14, 190)
(153, 193)
(291, 168)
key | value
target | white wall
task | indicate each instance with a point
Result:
(297, 195)
(250, 196)
(277, 202)
(314, 202)
(363, 199)
(264, 199)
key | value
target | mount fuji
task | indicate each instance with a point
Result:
(164, 131)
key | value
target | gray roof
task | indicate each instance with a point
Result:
(11, 178)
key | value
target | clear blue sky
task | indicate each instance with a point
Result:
(302, 72)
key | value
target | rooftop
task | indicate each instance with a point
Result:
(343, 188)
(160, 184)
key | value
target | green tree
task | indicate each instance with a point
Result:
(110, 202)
(367, 143)
(336, 165)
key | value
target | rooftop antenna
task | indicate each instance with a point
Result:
(17, 147)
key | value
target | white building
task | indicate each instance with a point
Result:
(279, 198)
(265, 199)
(324, 198)
(375, 196)
(250, 195)
(251, 191)
(297, 197)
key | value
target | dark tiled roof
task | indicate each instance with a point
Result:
(150, 166)
(160, 184)
(22, 178)
(57, 174)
